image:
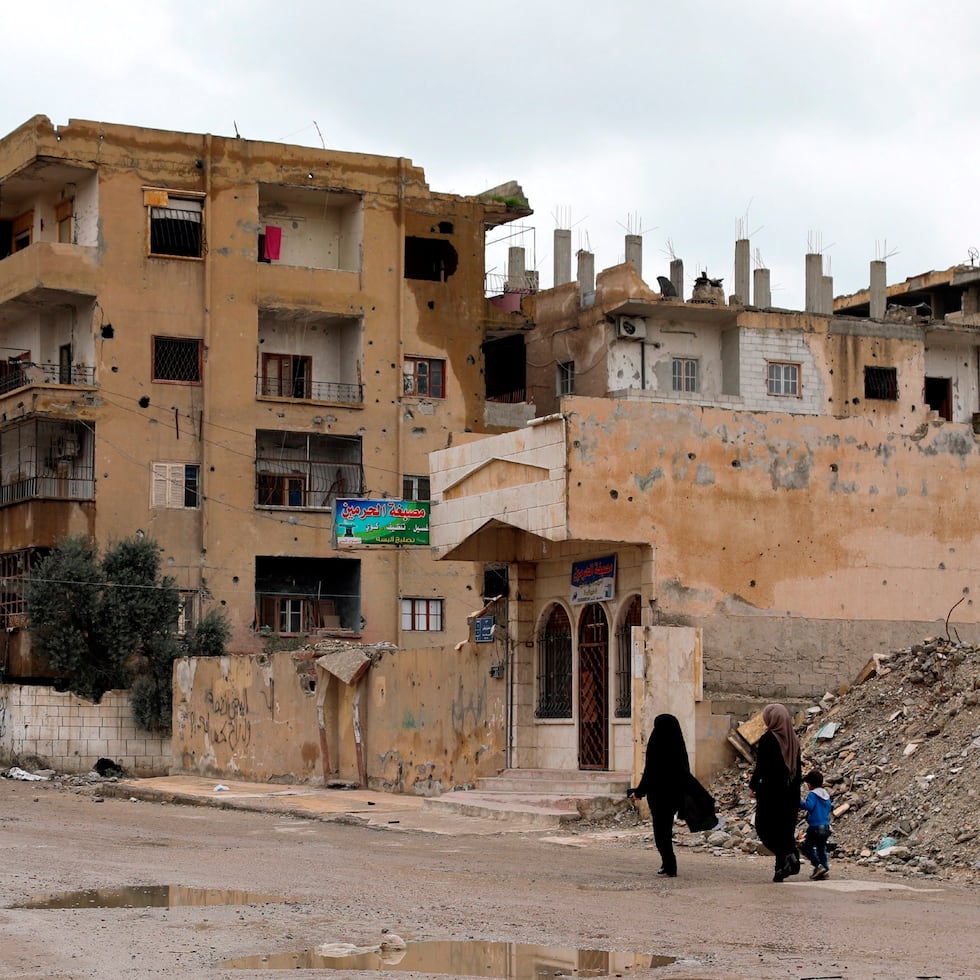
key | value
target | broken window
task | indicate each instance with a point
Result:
(176, 225)
(176, 359)
(425, 376)
(15, 568)
(505, 365)
(430, 259)
(22, 231)
(939, 397)
(684, 374)
(422, 615)
(783, 379)
(555, 666)
(881, 383)
(299, 595)
(175, 486)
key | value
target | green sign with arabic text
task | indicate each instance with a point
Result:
(363, 522)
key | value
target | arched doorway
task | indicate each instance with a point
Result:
(593, 688)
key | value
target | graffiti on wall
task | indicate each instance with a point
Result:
(224, 720)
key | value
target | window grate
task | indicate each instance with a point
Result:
(176, 360)
(555, 667)
(175, 231)
(624, 682)
(881, 383)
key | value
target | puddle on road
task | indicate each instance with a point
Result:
(508, 961)
(145, 896)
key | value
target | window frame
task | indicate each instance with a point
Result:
(289, 489)
(685, 375)
(156, 356)
(776, 386)
(64, 216)
(416, 487)
(161, 198)
(414, 611)
(565, 378)
(880, 383)
(22, 231)
(293, 372)
(169, 482)
(433, 371)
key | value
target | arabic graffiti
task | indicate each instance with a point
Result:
(224, 721)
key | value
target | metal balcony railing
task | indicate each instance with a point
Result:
(303, 390)
(50, 487)
(19, 374)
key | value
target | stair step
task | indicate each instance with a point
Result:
(556, 782)
(541, 813)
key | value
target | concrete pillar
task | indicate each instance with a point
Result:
(563, 256)
(516, 280)
(879, 289)
(586, 273)
(742, 267)
(814, 273)
(634, 252)
(677, 276)
(761, 289)
(827, 295)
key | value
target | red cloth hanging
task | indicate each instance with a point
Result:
(273, 242)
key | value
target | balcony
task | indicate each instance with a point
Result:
(47, 273)
(302, 471)
(301, 389)
(23, 374)
(43, 459)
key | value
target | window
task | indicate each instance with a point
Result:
(566, 378)
(286, 375)
(281, 491)
(555, 666)
(175, 224)
(430, 259)
(186, 612)
(784, 379)
(175, 485)
(684, 374)
(415, 488)
(624, 676)
(422, 615)
(881, 382)
(290, 615)
(177, 360)
(22, 230)
(63, 216)
(425, 376)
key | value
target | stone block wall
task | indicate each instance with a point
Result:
(68, 734)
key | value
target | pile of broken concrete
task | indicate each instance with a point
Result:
(900, 753)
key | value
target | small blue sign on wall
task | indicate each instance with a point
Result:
(484, 629)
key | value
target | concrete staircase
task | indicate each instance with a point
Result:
(540, 799)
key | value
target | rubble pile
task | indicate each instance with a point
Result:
(900, 754)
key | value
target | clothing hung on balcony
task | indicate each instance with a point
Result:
(273, 243)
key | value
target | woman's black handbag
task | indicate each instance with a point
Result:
(697, 807)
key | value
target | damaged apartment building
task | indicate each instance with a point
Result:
(773, 496)
(216, 342)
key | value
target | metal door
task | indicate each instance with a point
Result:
(593, 688)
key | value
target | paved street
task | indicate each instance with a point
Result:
(268, 889)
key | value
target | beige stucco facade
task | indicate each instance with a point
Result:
(800, 517)
(210, 341)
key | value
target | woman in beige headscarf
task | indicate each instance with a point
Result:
(776, 784)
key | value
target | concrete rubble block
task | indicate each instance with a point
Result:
(347, 664)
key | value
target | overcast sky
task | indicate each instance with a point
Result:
(848, 127)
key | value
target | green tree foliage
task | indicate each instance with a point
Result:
(210, 636)
(110, 623)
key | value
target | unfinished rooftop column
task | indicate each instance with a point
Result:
(814, 275)
(516, 276)
(563, 256)
(677, 276)
(761, 289)
(742, 271)
(827, 295)
(634, 252)
(879, 289)
(586, 275)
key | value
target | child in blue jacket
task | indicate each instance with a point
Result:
(818, 805)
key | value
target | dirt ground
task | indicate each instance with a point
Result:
(332, 882)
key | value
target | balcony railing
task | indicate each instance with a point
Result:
(50, 487)
(318, 391)
(19, 374)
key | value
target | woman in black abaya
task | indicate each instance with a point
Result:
(665, 776)
(776, 784)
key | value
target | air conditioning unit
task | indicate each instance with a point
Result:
(66, 447)
(631, 327)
